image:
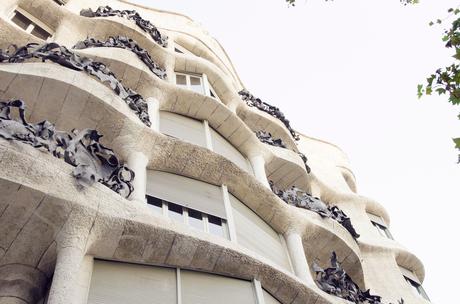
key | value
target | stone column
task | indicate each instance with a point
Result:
(137, 162)
(297, 255)
(258, 166)
(84, 279)
(154, 113)
(63, 289)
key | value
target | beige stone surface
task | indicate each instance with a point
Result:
(48, 227)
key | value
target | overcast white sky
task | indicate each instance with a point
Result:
(346, 72)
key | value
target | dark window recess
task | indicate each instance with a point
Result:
(383, 230)
(178, 51)
(175, 212)
(40, 33)
(60, 2)
(195, 219)
(212, 94)
(215, 225)
(417, 288)
(21, 20)
(154, 201)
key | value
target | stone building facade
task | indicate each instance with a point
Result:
(198, 192)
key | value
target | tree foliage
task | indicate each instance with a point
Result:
(446, 81)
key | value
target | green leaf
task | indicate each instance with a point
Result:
(420, 91)
(428, 90)
(431, 23)
(457, 142)
(438, 21)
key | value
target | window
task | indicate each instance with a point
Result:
(59, 2)
(29, 24)
(194, 218)
(417, 288)
(380, 225)
(155, 204)
(382, 230)
(182, 50)
(197, 83)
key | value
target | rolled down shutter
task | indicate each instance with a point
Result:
(255, 234)
(221, 146)
(269, 299)
(121, 283)
(187, 192)
(204, 288)
(184, 128)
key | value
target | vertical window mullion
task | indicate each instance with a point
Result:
(178, 287)
(206, 223)
(187, 79)
(258, 291)
(207, 133)
(230, 223)
(205, 84)
(165, 209)
(185, 215)
(30, 28)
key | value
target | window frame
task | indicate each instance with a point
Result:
(185, 217)
(417, 288)
(205, 85)
(380, 225)
(34, 22)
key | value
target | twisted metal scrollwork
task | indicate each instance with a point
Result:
(298, 198)
(266, 137)
(93, 162)
(145, 25)
(124, 43)
(273, 111)
(63, 56)
(335, 281)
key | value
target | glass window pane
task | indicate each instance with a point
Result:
(215, 226)
(195, 219)
(40, 33)
(181, 80)
(175, 212)
(195, 84)
(155, 204)
(21, 20)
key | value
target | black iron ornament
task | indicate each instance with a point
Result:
(145, 25)
(335, 281)
(92, 161)
(298, 198)
(63, 56)
(273, 111)
(266, 137)
(128, 44)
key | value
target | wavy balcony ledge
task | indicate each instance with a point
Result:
(169, 21)
(111, 227)
(124, 133)
(289, 168)
(67, 34)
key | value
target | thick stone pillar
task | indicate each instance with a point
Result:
(63, 289)
(258, 166)
(297, 255)
(137, 162)
(84, 279)
(154, 113)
